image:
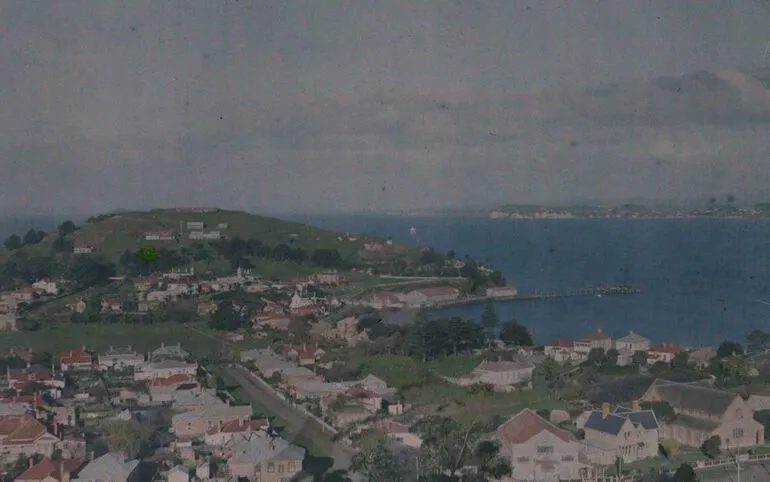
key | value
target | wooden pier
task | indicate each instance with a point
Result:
(540, 295)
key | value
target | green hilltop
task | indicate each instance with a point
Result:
(273, 247)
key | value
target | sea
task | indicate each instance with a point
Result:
(702, 281)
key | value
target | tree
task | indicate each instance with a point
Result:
(67, 227)
(31, 238)
(552, 373)
(13, 242)
(89, 271)
(763, 417)
(758, 340)
(730, 198)
(597, 357)
(127, 436)
(379, 462)
(671, 448)
(684, 473)
(711, 447)
(299, 329)
(729, 348)
(449, 446)
(62, 245)
(489, 319)
(681, 360)
(611, 358)
(225, 318)
(514, 333)
(639, 358)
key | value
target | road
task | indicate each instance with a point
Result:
(295, 421)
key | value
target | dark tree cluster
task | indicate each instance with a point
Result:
(237, 251)
(32, 237)
(134, 265)
(428, 339)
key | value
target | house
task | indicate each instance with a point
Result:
(159, 236)
(664, 353)
(501, 373)
(563, 351)
(76, 359)
(179, 473)
(382, 299)
(266, 458)
(169, 352)
(195, 225)
(145, 284)
(47, 286)
(702, 412)
(112, 305)
(624, 433)
(309, 389)
(18, 378)
(48, 470)
(110, 467)
(83, 247)
(399, 432)
(235, 430)
(205, 234)
(501, 291)
(198, 422)
(162, 389)
(24, 294)
(23, 435)
(207, 307)
(330, 278)
(120, 359)
(540, 451)
(430, 296)
(275, 321)
(702, 357)
(303, 354)
(164, 369)
(596, 339)
(632, 342)
(223, 225)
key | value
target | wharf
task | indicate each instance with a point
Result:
(540, 295)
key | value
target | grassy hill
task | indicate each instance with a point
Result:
(112, 234)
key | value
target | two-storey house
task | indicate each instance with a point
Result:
(540, 451)
(702, 412)
(624, 433)
(596, 339)
(504, 373)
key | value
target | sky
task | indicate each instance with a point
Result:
(369, 105)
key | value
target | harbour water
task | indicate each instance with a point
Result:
(701, 280)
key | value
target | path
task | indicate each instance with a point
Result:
(295, 421)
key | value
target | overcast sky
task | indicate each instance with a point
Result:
(326, 105)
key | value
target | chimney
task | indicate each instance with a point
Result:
(31, 461)
(84, 348)
(636, 406)
(605, 410)
(630, 332)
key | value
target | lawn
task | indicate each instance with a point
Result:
(454, 366)
(505, 405)
(59, 337)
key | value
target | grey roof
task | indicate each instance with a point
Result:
(611, 423)
(694, 397)
(109, 466)
(261, 447)
(632, 338)
(696, 423)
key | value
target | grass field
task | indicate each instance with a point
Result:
(59, 337)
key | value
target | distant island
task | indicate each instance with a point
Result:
(631, 211)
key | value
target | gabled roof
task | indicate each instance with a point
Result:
(526, 424)
(613, 422)
(696, 398)
(109, 466)
(241, 426)
(633, 338)
(504, 366)
(20, 429)
(51, 468)
(562, 344)
(595, 336)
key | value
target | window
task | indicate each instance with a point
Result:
(738, 433)
(292, 466)
(280, 468)
(258, 468)
(271, 467)
(567, 458)
(522, 459)
(545, 450)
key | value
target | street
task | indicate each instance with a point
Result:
(295, 421)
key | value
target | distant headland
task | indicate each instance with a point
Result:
(631, 211)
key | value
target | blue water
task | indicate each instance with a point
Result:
(702, 280)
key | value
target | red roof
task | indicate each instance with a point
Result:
(526, 424)
(76, 355)
(666, 348)
(303, 352)
(51, 468)
(177, 379)
(562, 344)
(595, 336)
(35, 400)
(20, 429)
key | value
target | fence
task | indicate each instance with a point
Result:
(302, 409)
(743, 458)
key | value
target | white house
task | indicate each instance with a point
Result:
(164, 369)
(212, 234)
(429, 296)
(159, 236)
(632, 342)
(195, 225)
(47, 286)
(120, 358)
